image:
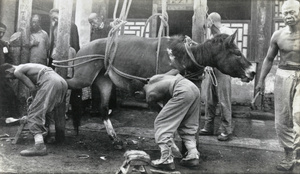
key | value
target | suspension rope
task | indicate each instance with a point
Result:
(164, 21)
(56, 63)
(113, 33)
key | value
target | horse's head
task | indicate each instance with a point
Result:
(228, 58)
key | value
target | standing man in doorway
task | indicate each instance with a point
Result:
(99, 28)
(219, 92)
(286, 41)
(39, 42)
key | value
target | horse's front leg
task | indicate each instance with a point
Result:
(105, 87)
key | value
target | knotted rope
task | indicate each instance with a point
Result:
(113, 33)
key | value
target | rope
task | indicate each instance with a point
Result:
(132, 77)
(212, 76)
(71, 66)
(76, 58)
(162, 19)
(187, 43)
(113, 33)
(160, 33)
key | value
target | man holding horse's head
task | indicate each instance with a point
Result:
(220, 92)
(286, 41)
(180, 113)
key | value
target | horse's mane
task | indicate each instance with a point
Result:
(218, 38)
(202, 50)
(176, 43)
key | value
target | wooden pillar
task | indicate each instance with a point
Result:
(23, 26)
(163, 11)
(198, 35)
(83, 10)
(154, 21)
(25, 8)
(200, 8)
(261, 24)
(63, 45)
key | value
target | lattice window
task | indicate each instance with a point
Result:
(242, 33)
(277, 8)
(136, 27)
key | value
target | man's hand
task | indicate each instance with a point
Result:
(260, 87)
(29, 100)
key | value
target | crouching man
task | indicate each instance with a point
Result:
(181, 99)
(48, 90)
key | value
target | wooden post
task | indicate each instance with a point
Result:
(154, 21)
(163, 11)
(198, 35)
(63, 45)
(83, 10)
(200, 9)
(24, 15)
(261, 25)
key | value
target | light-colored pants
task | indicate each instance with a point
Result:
(181, 113)
(222, 94)
(287, 108)
(51, 92)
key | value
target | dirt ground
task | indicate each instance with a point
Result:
(91, 151)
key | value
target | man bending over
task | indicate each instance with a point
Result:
(47, 89)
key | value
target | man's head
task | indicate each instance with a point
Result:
(213, 19)
(54, 15)
(95, 21)
(2, 30)
(7, 70)
(290, 12)
(35, 23)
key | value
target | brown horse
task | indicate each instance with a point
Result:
(135, 60)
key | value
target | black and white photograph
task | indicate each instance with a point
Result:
(150, 86)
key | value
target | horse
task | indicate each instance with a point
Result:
(135, 59)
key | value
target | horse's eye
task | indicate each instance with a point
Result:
(236, 52)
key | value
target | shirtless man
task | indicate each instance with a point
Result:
(180, 113)
(48, 90)
(39, 42)
(287, 83)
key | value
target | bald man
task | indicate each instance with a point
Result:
(219, 93)
(39, 41)
(180, 113)
(286, 41)
(100, 29)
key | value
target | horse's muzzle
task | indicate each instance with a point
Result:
(248, 77)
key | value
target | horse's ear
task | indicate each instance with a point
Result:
(230, 39)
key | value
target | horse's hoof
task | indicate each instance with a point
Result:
(118, 145)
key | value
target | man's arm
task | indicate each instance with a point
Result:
(268, 62)
(173, 72)
(20, 74)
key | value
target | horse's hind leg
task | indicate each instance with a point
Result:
(105, 87)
